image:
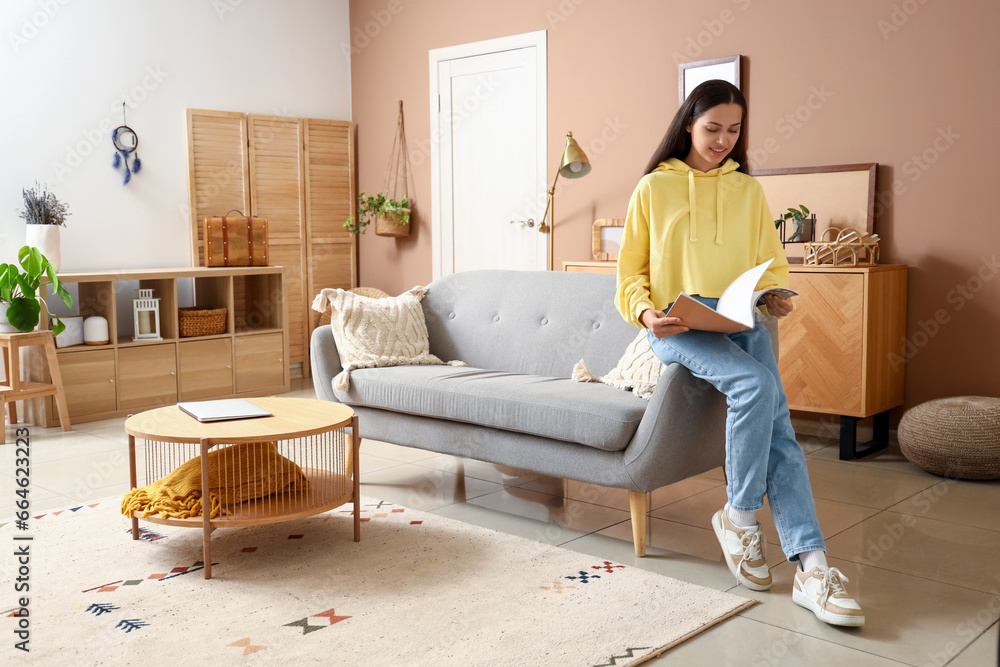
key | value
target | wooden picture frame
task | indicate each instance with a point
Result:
(689, 75)
(841, 196)
(607, 239)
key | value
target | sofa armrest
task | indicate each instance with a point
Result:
(325, 362)
(683, 431)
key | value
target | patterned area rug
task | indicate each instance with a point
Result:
(418, 589)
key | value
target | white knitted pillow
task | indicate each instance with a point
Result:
(638, 369)
(373, 333)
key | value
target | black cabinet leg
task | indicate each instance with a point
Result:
(849, 448)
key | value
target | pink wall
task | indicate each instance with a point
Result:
(909, 84)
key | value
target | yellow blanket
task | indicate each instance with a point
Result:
(236, 474)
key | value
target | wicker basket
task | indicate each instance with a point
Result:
(954, 437)
(389, 225)
(198, 321)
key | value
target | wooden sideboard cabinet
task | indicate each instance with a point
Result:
(591, 267)
(249, 358)
(842, 351)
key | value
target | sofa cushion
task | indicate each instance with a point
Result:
(594, 415)
(374, 332)
(638, 369)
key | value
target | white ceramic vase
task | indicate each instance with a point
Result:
(5, 325)
(46, 239)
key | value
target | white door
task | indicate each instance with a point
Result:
(488, 118)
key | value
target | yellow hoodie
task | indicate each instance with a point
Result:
(695, 232)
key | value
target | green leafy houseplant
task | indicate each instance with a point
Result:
(798, 214)
(42, 208)
(20, 289)
(371, 207)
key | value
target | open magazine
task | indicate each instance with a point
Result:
(735, 310)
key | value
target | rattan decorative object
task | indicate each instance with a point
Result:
(954, 437)
(197, 321)
(370, 292)
(841, 246)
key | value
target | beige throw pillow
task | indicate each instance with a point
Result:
(373, 333)
(638, 369)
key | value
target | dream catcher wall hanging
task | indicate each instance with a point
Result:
(126, 142)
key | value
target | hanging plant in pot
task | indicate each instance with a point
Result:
(389, 209)
(44, 215)
(387, 213)
(20, 306)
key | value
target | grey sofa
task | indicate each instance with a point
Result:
(521, 333)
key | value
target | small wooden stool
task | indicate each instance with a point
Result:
(4, 390)
(16, 389)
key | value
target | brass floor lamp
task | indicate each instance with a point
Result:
(574, 164)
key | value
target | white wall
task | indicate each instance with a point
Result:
(67, 65)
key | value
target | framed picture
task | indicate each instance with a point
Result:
(607, 238)
(72, 334)
(689, 75)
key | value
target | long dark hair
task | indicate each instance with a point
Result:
(677, 141)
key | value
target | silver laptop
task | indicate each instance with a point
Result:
(214, 411)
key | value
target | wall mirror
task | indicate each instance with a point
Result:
(841, 196)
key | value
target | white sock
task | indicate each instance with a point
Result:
(742, 519)
(810, 559)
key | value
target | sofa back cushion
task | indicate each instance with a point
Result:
(534, 322)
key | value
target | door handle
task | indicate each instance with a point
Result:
(530, 222)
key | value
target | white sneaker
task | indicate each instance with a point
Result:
(821, 591)
(744, 550)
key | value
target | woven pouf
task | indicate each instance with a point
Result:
(954, 437)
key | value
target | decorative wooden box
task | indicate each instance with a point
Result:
(235, 241)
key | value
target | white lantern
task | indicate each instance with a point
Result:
(146, 310)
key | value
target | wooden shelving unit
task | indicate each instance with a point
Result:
(126, 376)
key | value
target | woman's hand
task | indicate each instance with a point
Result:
(776, 306)
(661, 325)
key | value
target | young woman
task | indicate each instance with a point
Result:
(695, 222)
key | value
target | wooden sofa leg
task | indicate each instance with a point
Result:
(638, 503)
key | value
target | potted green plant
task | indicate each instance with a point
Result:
(44, 215)
(804, 224)
(20, 306)
(386, 212)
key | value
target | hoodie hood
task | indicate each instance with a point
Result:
(677, 166)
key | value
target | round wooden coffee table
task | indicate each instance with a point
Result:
(311, 433)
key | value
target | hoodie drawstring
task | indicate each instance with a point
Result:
(693, 206)
(718, 209)
(693, 233)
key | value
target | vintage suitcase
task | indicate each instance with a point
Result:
(235, 241)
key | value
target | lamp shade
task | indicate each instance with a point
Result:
(574, 161)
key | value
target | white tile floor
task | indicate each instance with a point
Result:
(920, 551)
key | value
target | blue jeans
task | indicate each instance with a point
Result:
(762, 455)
